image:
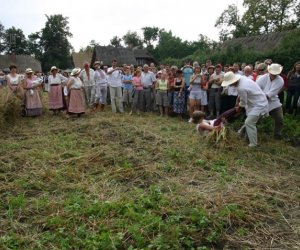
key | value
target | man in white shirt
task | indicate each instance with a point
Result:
(114, 79)
(87, 77)
(271, 83)
(148, 79)
(100, 86)
(252, 98)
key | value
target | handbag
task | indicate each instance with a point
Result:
(133, 92)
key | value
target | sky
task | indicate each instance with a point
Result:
(102, 20)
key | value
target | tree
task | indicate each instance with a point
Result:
(116, 41)
(150, 35)
(132, 39)
(203, 43)
(260, 17)
(269, 16)
(230, 24)
(297, 14)
(2, 32)
(54, 44)
(170, 46)
(90, 47)
(34, 45)
(15, 42)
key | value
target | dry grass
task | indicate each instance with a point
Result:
(10, 107)
(108, 181)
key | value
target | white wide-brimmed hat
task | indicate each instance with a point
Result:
(230, 78)
(29, 70)
(97, 63)
(275, 69)
(53, 68)
(75, 71)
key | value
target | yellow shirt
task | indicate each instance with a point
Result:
(163, 85)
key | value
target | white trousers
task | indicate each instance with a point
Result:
(250, 124)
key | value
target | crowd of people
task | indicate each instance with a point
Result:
(204, 93)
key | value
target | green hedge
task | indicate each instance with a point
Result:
(286, 53)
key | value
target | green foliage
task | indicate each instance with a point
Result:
(260, 17)
(90, 47)
(15, 42)
(2, 32)
(116, 41)
(230, 24)
(34, 46)
(264, 17)
(132, 39)
(150, 35)
(168, 45)
(287, 53)
(55, 44)
(51, 44)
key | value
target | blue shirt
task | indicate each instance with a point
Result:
(127, 86)
(187, 73)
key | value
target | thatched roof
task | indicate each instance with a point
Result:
(22, 61)
(142, 53)
(78, 59)
(107, 53)
(260, 43)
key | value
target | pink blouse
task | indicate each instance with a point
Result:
(137, 83)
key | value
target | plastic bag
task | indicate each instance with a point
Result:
(133, 92)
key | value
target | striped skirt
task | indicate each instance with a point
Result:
(76, 102)
(56, 97)
(33, 103)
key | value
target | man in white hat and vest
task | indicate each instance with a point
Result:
(252, 98)
(271, 84)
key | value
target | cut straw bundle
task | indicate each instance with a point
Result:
(10, 107)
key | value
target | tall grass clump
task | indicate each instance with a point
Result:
(10, 107)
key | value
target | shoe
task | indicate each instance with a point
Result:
(242, 131)
(190, 120)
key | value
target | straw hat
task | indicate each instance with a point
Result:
(275, 69)
(75, 71)
(97, 63)
(28, 71)
(230, 78)
(268, 61)
(261, 66)
(53, 68)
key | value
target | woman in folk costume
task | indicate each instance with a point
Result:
(101, 87)
(55, 94)
(14, 82)
(33, 104)
(76, 96)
